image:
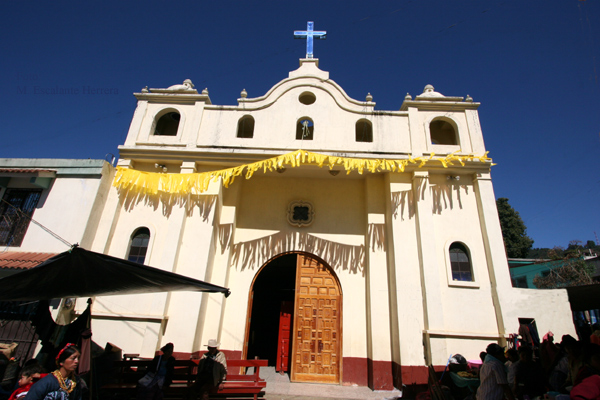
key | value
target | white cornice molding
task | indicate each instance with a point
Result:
(445, 104)
(173, 97)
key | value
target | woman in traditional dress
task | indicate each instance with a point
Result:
(61, 384)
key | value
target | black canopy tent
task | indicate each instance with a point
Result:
(84, 273)
(586, 297)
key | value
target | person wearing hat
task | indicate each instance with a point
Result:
(212, 370)
(494, 383)
(159, 375)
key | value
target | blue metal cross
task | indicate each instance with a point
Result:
(309, 34)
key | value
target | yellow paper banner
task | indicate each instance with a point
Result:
(151, 183)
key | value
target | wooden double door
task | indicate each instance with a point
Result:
(316, 332)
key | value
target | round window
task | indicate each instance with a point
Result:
(307, 98)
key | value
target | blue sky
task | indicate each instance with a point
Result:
(534, 66)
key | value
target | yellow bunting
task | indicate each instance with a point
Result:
(151, 183)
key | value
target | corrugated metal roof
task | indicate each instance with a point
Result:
(23, 260)
(26, 171)
(57, 166)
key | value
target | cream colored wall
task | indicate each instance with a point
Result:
(470, 139)
(196, 259)
(334, 127)
(98, 206)
(456, 220)
(408, 276)
(136, 123)
(378, 279)
(475, 134)
(338, 203)
(236, 312)
(180, 242)
(550, 308)
(150, 307)
(469, 320)
(64, 209)
(337, 236)
(458, 119)
(458, 211)
(276, 115)
(133, 322)
(141, 130)
(336, 199)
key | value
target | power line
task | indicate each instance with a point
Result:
(48, 230)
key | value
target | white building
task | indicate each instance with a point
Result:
(378, 273)
(64, 195)
(65, 198)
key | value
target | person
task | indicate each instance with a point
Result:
(511, 366)
(549, 352)
(558, 376)
(573, 349)
(62, 384)
(482, 356)
(530, 380)
(526, 336)
(212, 370)
(159, 375)
(584, 332)
(494, 383)
(595, 336)
(588, 382)
(27, 377)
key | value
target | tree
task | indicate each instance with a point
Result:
(516, 241)
(539, 253)
(559, 252)
(568, 272)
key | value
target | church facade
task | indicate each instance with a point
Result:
(359, 245)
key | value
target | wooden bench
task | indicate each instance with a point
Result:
(238, 383)
(128, 372)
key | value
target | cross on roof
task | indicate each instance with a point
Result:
(309, 34)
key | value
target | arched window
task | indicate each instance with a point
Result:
(246, 127)
(442, 132)
(304, 129)
(460, 263)
(364, 131)
(168, 124)
(139, 245)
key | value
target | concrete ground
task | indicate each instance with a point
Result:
(279, 387)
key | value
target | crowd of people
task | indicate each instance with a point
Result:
(64, 383)
(528, 371)
(570, 368)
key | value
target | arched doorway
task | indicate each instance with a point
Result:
(295, 318)
(273, 286)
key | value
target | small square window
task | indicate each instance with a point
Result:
(16, 211)
(300, 213)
